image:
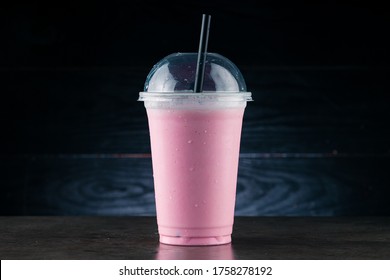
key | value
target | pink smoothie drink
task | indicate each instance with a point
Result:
(195, 143)
(195, 162)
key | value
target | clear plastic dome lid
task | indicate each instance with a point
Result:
(175, 73)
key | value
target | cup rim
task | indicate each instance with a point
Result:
(190, 95)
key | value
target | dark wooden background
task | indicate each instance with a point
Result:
(74, 140)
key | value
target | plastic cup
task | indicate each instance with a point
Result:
(195, 141)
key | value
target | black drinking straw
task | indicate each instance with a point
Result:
(202, 53)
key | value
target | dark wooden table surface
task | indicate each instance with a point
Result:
(82, 237)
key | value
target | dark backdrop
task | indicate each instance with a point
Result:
(74, 140)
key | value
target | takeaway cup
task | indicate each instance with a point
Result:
(195, 142)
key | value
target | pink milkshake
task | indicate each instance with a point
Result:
(195, 161)
(195, 142)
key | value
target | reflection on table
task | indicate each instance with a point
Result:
(172, 252)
